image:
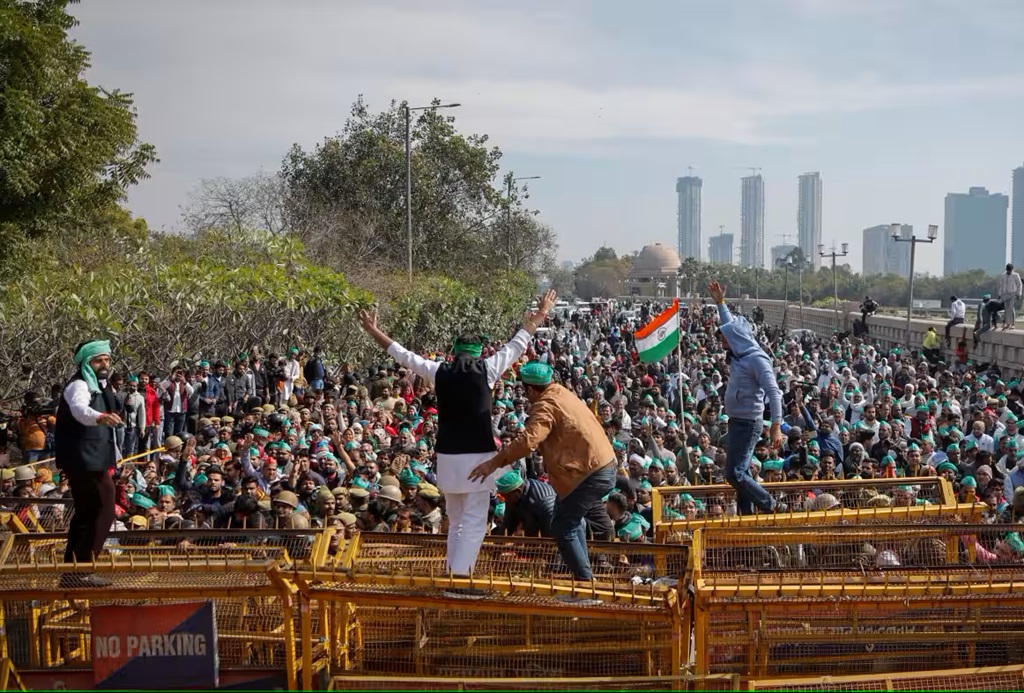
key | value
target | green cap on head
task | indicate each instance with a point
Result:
(536, 373)
(772, 466)
(408, 478)
(509, 481)
(969, 482)
(143, 501)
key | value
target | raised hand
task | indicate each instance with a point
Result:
(368, 320)
(717, 291)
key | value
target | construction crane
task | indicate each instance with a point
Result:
(754, 170)
(721, 229)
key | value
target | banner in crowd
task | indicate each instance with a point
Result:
(164, 646)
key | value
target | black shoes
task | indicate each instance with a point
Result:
(83, 581)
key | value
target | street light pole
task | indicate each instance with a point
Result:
(835, 280)
(408, 168)
(784, 263)
(508, 213)
(933, 233)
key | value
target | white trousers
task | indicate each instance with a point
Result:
(467, 526)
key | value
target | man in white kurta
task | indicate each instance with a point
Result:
(464, 427)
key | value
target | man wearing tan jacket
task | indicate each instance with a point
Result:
(578, 459)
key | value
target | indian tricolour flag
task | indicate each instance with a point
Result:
(658, 338)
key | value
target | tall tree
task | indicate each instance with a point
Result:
(68, 150)
(350, 189)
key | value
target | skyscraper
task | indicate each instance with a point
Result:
(688, 216)
(808, 216)
(720, 249)
(752, 221)
(1017, 217)
(781, 251)
(975, 231)
(883, 255)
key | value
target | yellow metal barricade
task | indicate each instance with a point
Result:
(856, 599)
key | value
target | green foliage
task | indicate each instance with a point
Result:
(431, 313)
(349, 191)
(603, 275)
(171, 297)
(888, 290)
(69, 151)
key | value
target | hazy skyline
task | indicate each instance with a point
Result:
(895, 102)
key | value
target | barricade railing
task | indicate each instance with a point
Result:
(40, 514)
(999, 678)
(45, 622)
(610, 683)
(513, 564)
(841, 559)
(679, 510)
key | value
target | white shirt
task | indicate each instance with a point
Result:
(496, 364)
(957, 309)
(79, 400)
(291, 371)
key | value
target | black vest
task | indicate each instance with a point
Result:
(463, 407)
(90, 448)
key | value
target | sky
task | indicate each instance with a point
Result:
(895, 102)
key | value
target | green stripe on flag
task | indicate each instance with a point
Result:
(662, 349)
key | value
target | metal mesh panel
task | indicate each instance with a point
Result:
(453, 642)
(978, 679)
(124, 548)
(387, 556)
(840, 555)
(41, 514)
(250, 631)
(708, 683)
(718, 501)
(790, 637)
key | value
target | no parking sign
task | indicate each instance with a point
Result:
(154, 646)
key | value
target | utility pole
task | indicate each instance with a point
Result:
(835, 281)
(933, 234)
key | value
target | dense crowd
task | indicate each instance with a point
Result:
(292, 441)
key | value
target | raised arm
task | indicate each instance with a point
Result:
(417, 364)
(514, 349)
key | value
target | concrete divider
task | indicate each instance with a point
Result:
(1003, 348)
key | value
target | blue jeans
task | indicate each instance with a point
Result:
(317, 384)
(740, 441)
(567, 525)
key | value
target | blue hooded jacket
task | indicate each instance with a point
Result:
(751, 376)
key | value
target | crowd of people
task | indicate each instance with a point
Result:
(263, 440)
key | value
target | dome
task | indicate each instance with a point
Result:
(656, 259)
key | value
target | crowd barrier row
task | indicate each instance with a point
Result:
(736, 603)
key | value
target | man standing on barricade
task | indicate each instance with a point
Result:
(751, 379)
(86, 455)
(465, 437)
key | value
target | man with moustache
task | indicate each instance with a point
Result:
(86, 453)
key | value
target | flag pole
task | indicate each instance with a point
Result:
(679, 376)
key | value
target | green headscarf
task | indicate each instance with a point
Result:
(87, 353)
(474, 350)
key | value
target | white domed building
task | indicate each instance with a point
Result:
(654, 272)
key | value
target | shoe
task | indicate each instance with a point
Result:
(83, 580)
(780, 508)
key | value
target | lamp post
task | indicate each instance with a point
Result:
(933, 233)
(508, 214)
(835, 280)
(408, 167)
(784, 263)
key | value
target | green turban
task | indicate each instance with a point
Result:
(87, 353)
(946, 466)
(536, 373)
(165, 490)
(970, 482)
(408, 478)
(772, 466)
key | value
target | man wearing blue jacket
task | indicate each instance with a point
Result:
(751, 380)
